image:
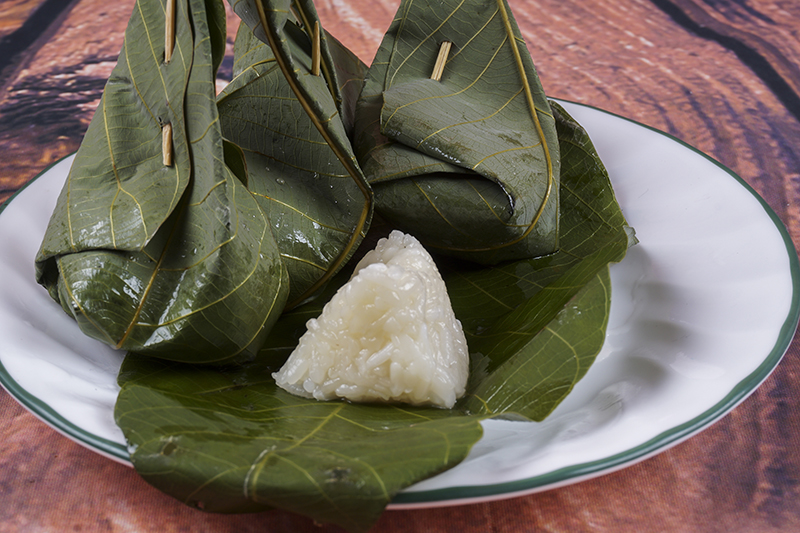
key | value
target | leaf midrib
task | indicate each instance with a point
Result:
(343, 159)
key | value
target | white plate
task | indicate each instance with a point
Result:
(702, 311)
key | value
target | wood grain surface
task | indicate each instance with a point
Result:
(721, 75)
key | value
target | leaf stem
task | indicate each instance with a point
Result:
(534, 115)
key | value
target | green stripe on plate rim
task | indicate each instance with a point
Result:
(666, 439)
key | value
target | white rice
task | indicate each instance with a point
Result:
(388, 335)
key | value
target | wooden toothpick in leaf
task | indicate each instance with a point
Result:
(441, 59)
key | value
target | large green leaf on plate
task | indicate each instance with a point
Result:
(172, 260)
(227, 439)
(523, 368)
(312, 202)
(468, 163)
(326, 97)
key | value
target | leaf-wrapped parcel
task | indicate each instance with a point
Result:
(468, 163)
(292, 126)
(176, 259)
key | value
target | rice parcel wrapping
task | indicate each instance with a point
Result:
(155, 245)
(456, 136)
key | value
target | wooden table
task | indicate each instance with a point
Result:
(722, 75)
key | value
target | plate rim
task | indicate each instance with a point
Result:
(461, 494)
(40, 409)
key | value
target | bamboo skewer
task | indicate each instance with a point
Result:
(169, 45)
(169, 31)
(166, 144)
(441, 59)
(315, 50)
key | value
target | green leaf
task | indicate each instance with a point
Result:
(287, 26)
(229, 440)
(525, 370)
(175, 261)
(469, 163)
(503, 309)
(314, 205)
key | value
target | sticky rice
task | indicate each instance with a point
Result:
(388, 335)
